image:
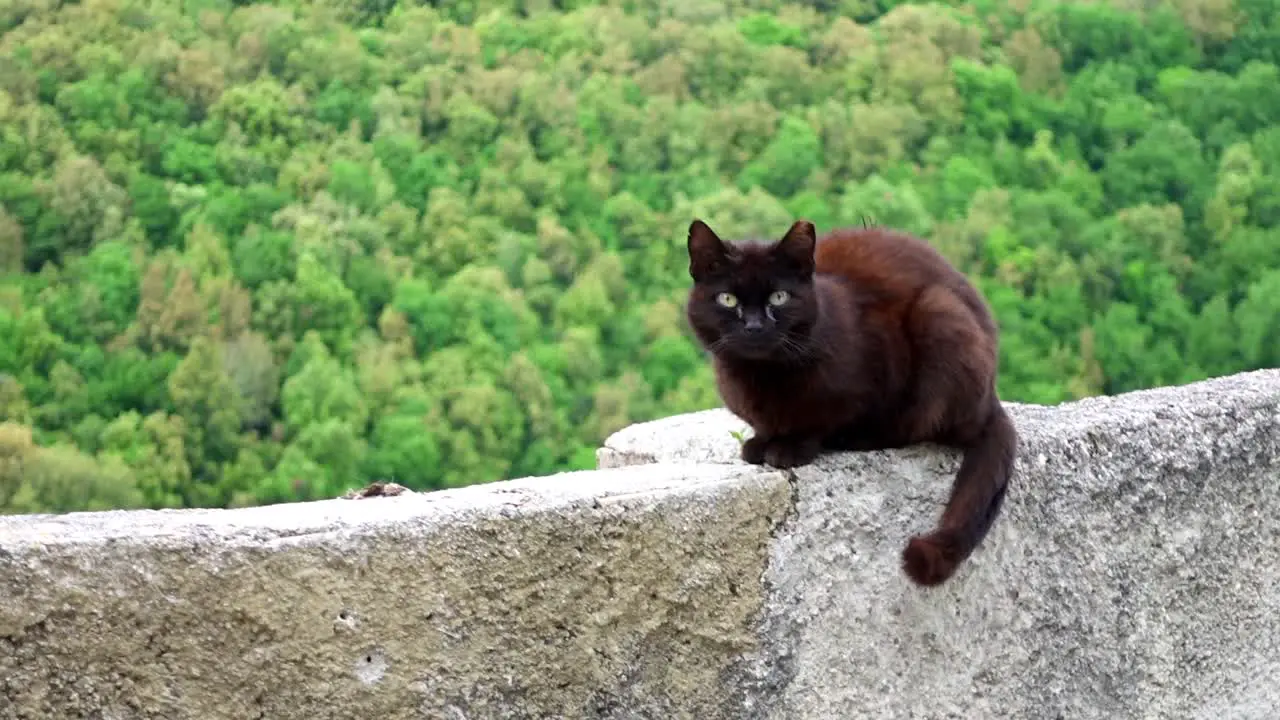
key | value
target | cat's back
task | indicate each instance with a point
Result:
(890, 268)
(885, 259)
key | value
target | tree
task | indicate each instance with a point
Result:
(58, 478)
(204, 396)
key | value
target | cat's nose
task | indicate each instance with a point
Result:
(752, 324)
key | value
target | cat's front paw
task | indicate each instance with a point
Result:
(753, 450)
(791, 453)
(780, 452)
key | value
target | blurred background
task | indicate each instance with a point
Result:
(256, 253)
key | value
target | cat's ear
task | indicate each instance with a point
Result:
(796, 247)
(707, 253)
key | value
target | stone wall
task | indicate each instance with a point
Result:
(1133, 573)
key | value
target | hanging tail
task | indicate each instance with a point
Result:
(976, 497)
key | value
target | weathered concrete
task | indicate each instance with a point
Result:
(580, 595)
(1133, 574)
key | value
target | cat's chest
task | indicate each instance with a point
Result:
(782, 402)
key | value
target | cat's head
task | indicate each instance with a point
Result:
(752, 300)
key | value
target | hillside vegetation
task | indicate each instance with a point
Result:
(254, 253)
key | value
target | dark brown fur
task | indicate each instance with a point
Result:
(880, 344)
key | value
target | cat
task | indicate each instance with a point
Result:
(866, 339)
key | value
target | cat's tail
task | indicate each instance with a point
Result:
(976, 497)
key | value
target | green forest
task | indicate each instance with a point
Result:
(257, 253)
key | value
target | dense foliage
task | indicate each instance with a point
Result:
(255, 253)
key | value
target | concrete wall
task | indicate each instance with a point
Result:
(1135, 573)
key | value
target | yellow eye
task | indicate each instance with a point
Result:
(727, 300)
(779, 297)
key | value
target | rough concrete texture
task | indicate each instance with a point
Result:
(1133, 574)
(616, 594)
